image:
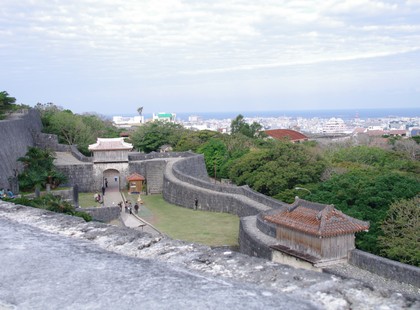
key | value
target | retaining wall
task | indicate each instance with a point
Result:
(385, 267)
(102, 214)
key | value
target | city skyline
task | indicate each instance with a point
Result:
(112, 57)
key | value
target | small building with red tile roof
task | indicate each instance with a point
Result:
(312, 231)
(135, 182)
(110, 150)
(288, 134)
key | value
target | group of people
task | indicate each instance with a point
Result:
(6, 193)
(128, 207)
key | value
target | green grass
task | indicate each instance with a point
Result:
(86, 200)
(210, 228)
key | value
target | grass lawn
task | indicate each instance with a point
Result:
(210, 228)
(86, 200)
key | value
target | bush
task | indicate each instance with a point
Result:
(51, 203)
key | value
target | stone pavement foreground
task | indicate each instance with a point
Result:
(52, 261)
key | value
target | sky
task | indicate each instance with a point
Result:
(113, 56)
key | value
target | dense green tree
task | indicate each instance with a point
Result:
(72, 130)
(75, 129)
(273, 170)
(39, 169)
(401, 232)
(215, 156)
(192, 140)
(100, 127)
(366, 195)
(362, 157)
(151, 136)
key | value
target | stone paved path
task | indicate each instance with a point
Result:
(112, 198)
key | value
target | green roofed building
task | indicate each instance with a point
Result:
(165, 117)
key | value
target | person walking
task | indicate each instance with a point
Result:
(103, 190)
(136, 208)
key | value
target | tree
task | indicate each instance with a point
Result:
(281, 166)
(75, 129)
(140, 110)
(6, 103)
(215, 156)
(367, 195)
(239, 126)
(47, 110)
(401, 232)
(72, 130)
(39, 169)
(151, 136)
(5, 99)
(192, 140)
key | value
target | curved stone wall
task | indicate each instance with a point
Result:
(182, 189)
(192, 170)
(251, 241)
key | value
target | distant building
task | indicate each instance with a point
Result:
(334, 125)
(127, 122)
(164, 117)
(288, 134)
(195, 118)
(312, 232)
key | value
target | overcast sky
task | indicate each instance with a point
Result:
(112, 56)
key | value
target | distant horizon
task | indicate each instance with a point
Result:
(323, 113)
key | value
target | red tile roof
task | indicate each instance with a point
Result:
(289, 134)
(315, 219)
(108, 144)
(135, 177)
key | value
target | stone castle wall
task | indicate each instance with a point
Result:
(82, 175)
(385, 267)
(104, 215)
(17, 134)
(183, 189)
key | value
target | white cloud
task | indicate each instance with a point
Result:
(170, 39)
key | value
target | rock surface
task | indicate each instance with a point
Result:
(52, 261)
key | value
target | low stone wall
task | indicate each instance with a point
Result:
(249, 243)
(266, 227)
(385, 267)
(135, 156)
(65, 194)
(102, 214)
